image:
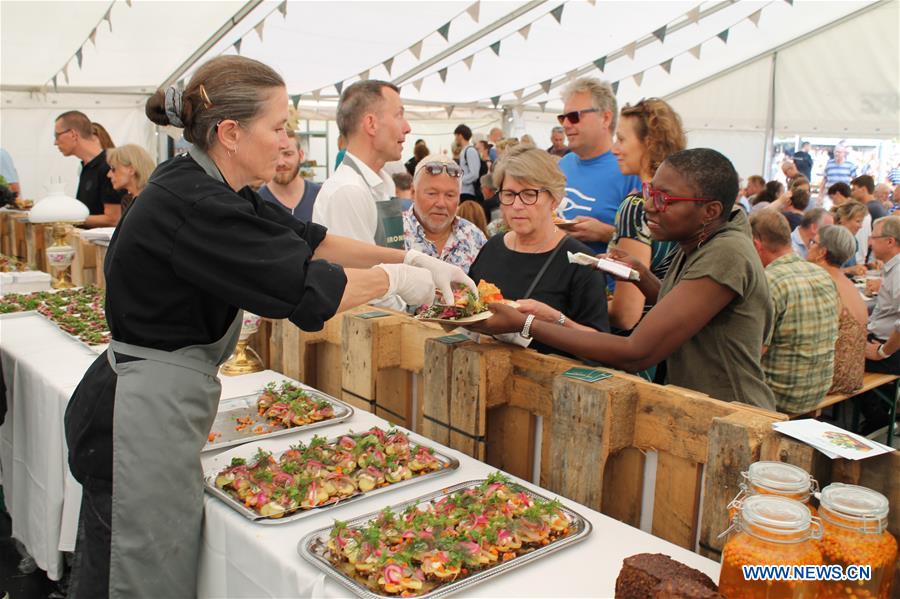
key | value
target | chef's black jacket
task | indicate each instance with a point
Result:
(179, 266)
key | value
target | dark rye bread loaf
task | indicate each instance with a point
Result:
(643, 576)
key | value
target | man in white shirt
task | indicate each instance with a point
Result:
(370, 117)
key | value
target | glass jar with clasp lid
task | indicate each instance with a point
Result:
(855, 521)
(769, 530)
(776, 478)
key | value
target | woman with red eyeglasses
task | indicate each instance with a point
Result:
(647, 133)
(712, 310)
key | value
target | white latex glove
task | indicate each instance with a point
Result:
(415, 286)
(443, 274)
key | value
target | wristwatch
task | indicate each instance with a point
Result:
(561, 321)
(526, 330)
(880, 352)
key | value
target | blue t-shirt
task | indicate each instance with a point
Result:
(595, 188)
(302, 211)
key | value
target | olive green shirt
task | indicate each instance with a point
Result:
(723, 359)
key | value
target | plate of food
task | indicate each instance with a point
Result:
(307, 478)
(467, 307)
(444, 542)
(564, 223)
(278, 409)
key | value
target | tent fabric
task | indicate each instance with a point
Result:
(839, 81)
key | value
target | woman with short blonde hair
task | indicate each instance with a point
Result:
(529, 263)
(130, 167)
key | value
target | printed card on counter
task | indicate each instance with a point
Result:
(834, 442)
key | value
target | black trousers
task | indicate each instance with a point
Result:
(872, 407)
(90, 571)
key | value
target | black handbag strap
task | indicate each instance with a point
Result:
(540, 274)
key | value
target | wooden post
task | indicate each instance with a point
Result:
(437, 372)
(100, 259)
(589, 422)
(5, 234)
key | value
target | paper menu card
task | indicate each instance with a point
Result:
(619, 269)
(833, 441)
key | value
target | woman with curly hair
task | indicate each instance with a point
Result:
(648, 133)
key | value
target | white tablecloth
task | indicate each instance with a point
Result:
(42, 366)
(243, 559)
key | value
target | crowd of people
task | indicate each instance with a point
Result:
(744, 293)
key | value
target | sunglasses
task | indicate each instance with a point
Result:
(574, 116)
(661, 199)
(436, 168)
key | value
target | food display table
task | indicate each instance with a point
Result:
(243, 559)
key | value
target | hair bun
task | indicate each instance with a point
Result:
(155, 109)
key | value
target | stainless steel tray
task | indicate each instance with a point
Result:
(232, 409)
(248, 451)
(313, 546)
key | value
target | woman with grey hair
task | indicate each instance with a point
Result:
(830, 248)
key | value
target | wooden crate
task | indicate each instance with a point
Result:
(100, 260)
(84, 265)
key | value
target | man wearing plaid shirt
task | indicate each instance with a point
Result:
(799, 356)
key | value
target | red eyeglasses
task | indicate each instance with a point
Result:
(661, 199)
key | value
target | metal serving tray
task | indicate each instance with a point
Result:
(248, 451)
(245, 406)
(313, 547)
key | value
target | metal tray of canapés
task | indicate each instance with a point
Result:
(238, 420)
(314, 546)
(248, 452)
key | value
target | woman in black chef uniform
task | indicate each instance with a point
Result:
(198, 248)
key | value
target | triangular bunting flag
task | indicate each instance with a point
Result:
(693, 15)
(295, 100)
(638, 77)
(754, 18)
(418, 84)
(237, 45)
(518, 93)
(78, 55)
(54, 87)
(660, 33)
(723, 36)
(592, 2)
(546, 86)
(473, 10)
(449, 108)
(364, 76)
(108, 18)
(667, 66)
(339, 86)
(444, 30)
(65, 72)
(443, 74)
(317, 94)
(630, 49)
(388, 64)
(557, 13)
(524, 31)
(496, 47)
(495, 100)
(416, 49)
(93, 36)
(468, 61)
(128, 2)
(543, 105)
(791, 2)
(282, 8)
(600, 63)
(615, 87)
(259, 29)
(695, 51)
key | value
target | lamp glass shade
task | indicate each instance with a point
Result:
(58, 208)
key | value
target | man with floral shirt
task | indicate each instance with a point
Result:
(430, 225)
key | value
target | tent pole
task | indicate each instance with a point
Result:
(216, 37)
(769, 148)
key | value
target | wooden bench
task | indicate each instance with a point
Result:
(871, 381)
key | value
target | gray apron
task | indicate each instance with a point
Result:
(165, 405)
(389, 219)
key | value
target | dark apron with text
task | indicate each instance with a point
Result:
(389, 224)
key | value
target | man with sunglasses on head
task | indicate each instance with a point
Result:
(595, 186)
(72, 136)
(430, 225)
